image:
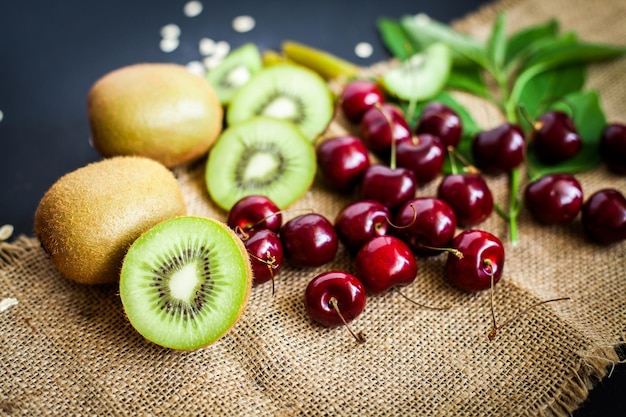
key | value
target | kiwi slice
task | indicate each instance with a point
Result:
(234, 71)
(285, 91)
(420, 77)
(185, 282)
(264, 156)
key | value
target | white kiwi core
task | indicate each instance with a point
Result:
(260, 165)
(281, 108)
(183, 282)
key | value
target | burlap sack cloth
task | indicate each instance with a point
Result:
(67, 349)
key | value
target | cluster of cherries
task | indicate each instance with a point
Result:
(388, 226)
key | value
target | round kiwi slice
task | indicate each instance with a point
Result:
(185, 282)
(422, 76)
(234, 71)
(285, 91)
(264, 156)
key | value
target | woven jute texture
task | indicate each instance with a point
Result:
(67, 349)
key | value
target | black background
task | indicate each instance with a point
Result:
(51, 53)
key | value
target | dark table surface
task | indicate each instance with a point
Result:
(51, 53)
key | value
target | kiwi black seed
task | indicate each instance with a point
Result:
(285, 91)
(234, 71)
(262, 155)
(185, 282)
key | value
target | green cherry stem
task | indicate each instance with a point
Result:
(514, 204)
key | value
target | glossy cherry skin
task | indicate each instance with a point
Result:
(426, 221)
(344, 287)
(554, 198)
(441, 121)
(341, 162)
(483, 256)
(424, 154)
(267, 255)
(380, 125)
(603, 216)
(555, 138)
(254, 212)
(309, 240)
(358, 97)
(499, 150)
(613, 147)
(361, 221)
(385, 262)
(392, 187)
(469, 196)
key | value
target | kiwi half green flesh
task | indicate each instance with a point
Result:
(285, 91)
(264, 156)
(420, 77)
(234, 71)
(185, 282)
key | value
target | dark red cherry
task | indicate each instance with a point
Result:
(385, 262)
(426, 224)
(334, 287)
(555, 138)
(613, 147)
(309, 240)
(341, 161)
(469, 196)
(424, 154)
(392, 187)
(358, 97)
(554, 198)
(266, 252)
(483, 257)
(499, 150)
(380, 124)
(604, 216)
(254, 212)
(361, 221)
(441, 121)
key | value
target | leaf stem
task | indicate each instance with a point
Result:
(514, 205)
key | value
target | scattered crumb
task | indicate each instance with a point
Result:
(211, 61)
(6, 303)
(206, 46)
(192, 8)
(170, 31)
(169, 45)
(196, 67)
(1, 115)
(6, 232)
(363, 50)
(243, 23)
(222, 48)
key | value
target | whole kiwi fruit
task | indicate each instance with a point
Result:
(89, 217)
(157, 110)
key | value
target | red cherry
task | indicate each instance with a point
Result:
(385, 262)
(359, 96)
(309, 240)
(424, 154)
(342, 160)
(469, 196)
(499, 150)
(345, 289)
(482, 261)
(380, 125)
(392, 187)
(604, 216)
(555, 138)
(554, 198)
(426, 224)
(440, 120)
(613, 147)
(266, 252)
(361, 221)
(254, 212)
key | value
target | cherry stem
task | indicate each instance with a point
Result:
(252, 226)
(453, 251)
(360, 338)
(419, 304)
(406, 226)
(514, 205)
(469, 167)
(392, 160)
(270, 261)
(452, 159)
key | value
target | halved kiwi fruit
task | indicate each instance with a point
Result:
(420, 77)
(264, 156)
(185, 282)
(285, 91)
(234, 71)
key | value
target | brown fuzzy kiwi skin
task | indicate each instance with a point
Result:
(89, 217)
(157, 110)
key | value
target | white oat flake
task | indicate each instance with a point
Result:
(1, 115)
(170, 31)
(363, 49)
(243, 23)
(6, 232)
(206, 46)
(169, 45)
(192, 8)
(196, 67)
(7, 303)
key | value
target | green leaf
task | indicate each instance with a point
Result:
(520, 42)
(589, 119)
(395, 39)
(559, 54)
(425, 31)
(468, 79)
(496, 44)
